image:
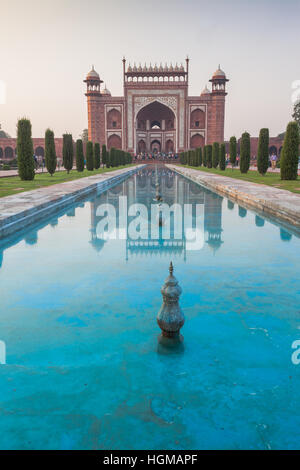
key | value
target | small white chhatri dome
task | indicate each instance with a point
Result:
(219, 73)
(92, 73)
(205, 91)
(105, 91)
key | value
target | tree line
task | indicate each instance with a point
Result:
(214, 156)
(94, 157)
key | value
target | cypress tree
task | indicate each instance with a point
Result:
(222, 163)
(25, 150)
(290, 152)
(112, 157)
(104, 154)
(263, 151)
(79, 155)
(97, 160)
(209, 156)
(197, 156)
(194, 158)
(232, 150)
(117, 157)
(200, 156)
(296, 113)
(215, 154)
(245, 153)
(89, 156)
(50, 153)
(189, 157)
(68, 152)
(204, 156)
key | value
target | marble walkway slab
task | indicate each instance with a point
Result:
(277, 203)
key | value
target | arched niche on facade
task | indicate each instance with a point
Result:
(197, 119)
(114, 141)
(8, 152)
(39, 151)
(169, 145)
(197, 140)
(114, 119)
(141, 146)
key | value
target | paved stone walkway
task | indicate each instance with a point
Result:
(278, 203)
(22, 209)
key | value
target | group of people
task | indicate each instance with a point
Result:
(161, 156)
(273, 159)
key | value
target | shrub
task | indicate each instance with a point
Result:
(89, 156)
(290, 153)
(79, 155)
(263, 151)
(232, 150)
(209, 156)
(204, 156)
(97, 160)
(222, 163)
(104, 154)
(200, 156)
(25, 150)
(215, 154)
(245, 153)
(68, 152)
(50, 153)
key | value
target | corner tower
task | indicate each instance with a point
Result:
(93, 95)
(218, 94)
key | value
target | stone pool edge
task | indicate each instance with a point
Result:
(271, 201)
(25, 208)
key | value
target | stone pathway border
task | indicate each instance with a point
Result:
(21, 210)
(277, 203)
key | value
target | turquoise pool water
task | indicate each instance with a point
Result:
(78, 318)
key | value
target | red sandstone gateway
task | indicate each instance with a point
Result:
(156, 114)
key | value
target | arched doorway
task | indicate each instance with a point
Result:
(155, 120)
(155, 146)
(169, 146)
(39, 152)
(141, 146)
(8, 152)
(197, 141)
(272, 150)
(114, 141)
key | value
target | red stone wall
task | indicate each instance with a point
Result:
(37, 142)
(95, 118)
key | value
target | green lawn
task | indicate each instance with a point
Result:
(13, 184)
(270, 179)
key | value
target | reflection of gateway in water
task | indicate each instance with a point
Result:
(142, 188)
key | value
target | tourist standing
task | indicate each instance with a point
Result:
(273, 161)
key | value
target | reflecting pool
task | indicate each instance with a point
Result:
(80, 365)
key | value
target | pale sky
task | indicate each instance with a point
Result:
(48, 46)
